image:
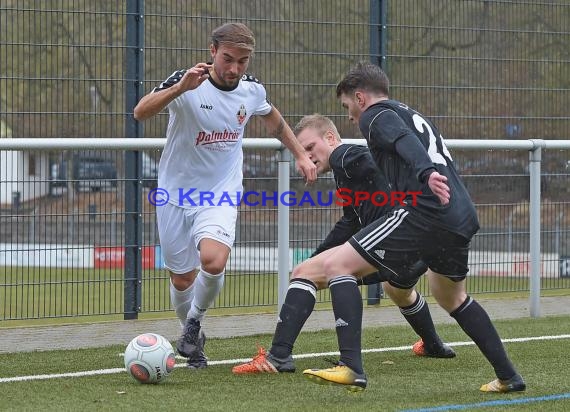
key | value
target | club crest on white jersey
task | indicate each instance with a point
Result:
(241, 114)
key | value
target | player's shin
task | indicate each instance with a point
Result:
(297, 307)
(476, 323)
(419, 318)
(207, 287)
(181, 301)
(347, 308)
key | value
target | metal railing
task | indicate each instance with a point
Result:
(133, 284)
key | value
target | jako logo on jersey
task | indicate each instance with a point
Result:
(206, 106)
(215, 137)
(222, 233)
(241, 114)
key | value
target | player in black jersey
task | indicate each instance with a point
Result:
(355, 172)
(437, 229)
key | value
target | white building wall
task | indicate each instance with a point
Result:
(14, 177)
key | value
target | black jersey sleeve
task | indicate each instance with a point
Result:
(388, 131)
(414, 153)
(347, 226)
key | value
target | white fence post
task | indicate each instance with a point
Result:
(535, 156)
(282, 229)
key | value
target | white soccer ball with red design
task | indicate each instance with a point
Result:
(149, 358)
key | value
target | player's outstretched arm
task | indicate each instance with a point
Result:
(278, 128)
(154, 102)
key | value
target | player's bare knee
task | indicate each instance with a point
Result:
(448, 293)
(335, 264)
(401, 297)
(213, 256)
(450, 301)
(330, 267)
(214, 266)
(213, 263)
(298, 270)
(183, 281)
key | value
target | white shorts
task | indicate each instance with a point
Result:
(181, 229)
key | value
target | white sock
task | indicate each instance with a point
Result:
(181, 301)
(207, 287)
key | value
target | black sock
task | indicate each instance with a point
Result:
(419, 318)
(476, 323)
(298, 306)
(347, 308)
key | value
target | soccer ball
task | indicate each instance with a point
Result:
(149, 358)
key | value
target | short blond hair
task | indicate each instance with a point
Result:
(318, 122)
(235, 34)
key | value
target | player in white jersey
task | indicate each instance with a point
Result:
(200, 172)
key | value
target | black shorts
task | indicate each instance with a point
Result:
(384, 275)
(398, 240)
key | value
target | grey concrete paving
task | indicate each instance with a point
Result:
(43, 338)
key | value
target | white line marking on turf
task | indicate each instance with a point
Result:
(62, 375)
(234, 361)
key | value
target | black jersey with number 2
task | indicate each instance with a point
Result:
(405, 146)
